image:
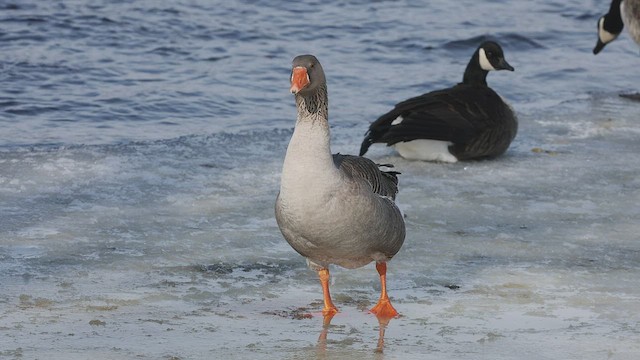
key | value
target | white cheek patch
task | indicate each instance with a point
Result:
(397, 121)
(484, 61)
(605, 36)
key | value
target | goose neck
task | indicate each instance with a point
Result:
(474, 74)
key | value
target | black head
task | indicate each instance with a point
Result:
(306, 74)
(491, 57)
(609, 26)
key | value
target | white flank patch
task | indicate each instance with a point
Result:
(484, 61)
(397, 121)
(427, 150)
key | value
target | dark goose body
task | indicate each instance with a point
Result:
(466, 121)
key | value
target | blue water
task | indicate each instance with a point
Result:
(79, 72)
(141, 144)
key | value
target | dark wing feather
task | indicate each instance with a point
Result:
(383, 183)
(455, 114)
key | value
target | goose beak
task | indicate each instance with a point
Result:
(504, 65)
(599, 46)
(299, 79)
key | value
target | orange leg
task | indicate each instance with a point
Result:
(329, 309)
(383, 309)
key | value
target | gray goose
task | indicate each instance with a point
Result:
(610, 25)
(334, 209)
(466, 121)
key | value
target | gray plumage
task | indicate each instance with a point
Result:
(333, 209)
(383, 183)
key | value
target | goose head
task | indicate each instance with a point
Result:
(306, 75)
(491, 57)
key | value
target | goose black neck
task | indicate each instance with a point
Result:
(474, 74)
(615, 7)
(613, 19)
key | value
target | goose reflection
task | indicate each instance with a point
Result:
(383, 322)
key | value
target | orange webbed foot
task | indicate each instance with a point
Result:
(384, 309)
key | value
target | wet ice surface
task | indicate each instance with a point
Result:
(105, 256)
(140, 157)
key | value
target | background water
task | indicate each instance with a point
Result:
(140, 150)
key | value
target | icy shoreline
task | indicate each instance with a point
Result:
(169, 250)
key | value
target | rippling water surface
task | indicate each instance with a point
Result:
(140, 149)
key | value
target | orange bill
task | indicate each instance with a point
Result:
(299, 79)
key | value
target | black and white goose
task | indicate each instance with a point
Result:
(610, 25)
(466, 121)
(334, 209)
